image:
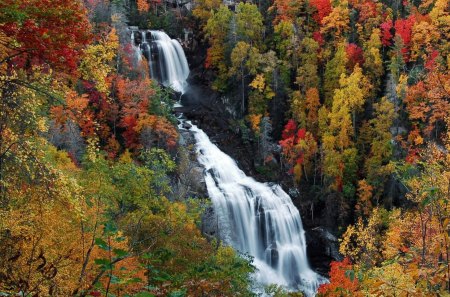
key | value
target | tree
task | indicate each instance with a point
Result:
(323, 8)
(340, 153)
(312, 104)
(440, 15)
(377, 165)
(386, 29)
(403, 29)
(423, 40)
(343, 281)
(286, 10)
(373, 64)
(427, 102)
(298, 149)
(239, 57)
(39, 35)
(204, 9)
(258, 98)
(285, 40)
(249, 24)
(362, 243)
(336, 24)
(333, 71)
(354, 55)
(97, 62)
(307, 71)
(217, 30)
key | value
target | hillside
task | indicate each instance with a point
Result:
(106, 188)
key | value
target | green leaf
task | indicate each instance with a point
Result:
(147, 256)
(160, 279)
(110, 228)
(120, 253)
(115, 279)
(104, 264)
(350, 274)
(144, 294)
(102, 244)
(177, 294)
(135, 280)
(102, 261)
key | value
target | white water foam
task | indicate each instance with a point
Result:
(258, 219)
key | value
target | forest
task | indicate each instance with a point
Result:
(344, 103)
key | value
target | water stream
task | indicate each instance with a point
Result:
(258, 219)
(167, 61)
(255, 218)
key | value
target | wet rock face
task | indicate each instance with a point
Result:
(209, 224)
(198, 179)
(191, 176)
(137, 38)
(322, 248)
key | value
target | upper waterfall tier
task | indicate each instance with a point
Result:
(165, 57)
(257, 218)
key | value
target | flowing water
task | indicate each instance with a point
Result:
(258, 219)
(255, 218)
(165, 56)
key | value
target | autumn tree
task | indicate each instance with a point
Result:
(336, 23)
(333, 71)
(338, 142)
(39, 36)
(373, 64)
(343, 281)
(97, 63)
(249, 24)
(217, 30)
(307, 71)
(377, 165)
(204, 8)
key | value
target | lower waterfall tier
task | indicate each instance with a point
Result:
(258, 219)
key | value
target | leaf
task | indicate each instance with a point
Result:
(115, 279)
(144, 294)
(102, 244)
(350, 274)
(177, 294)
(101, 261)
(120, 253)
(110, 228)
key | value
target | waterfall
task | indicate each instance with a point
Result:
(258, 219)
(255, 218)
(165, 56)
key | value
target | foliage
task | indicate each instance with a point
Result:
(38, 35)
(356, 94)
(86, 160)
(342, 281)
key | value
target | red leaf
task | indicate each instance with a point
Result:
(289, 129)
(323, 8)
(301, 133)
(386, 33)
(355, 55)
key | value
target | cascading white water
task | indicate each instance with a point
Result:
(165, 56)
(258, 219)
(255, 218)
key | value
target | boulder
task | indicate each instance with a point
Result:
(322, 248)
(197, 180)
(187, 125)
(209, 223)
